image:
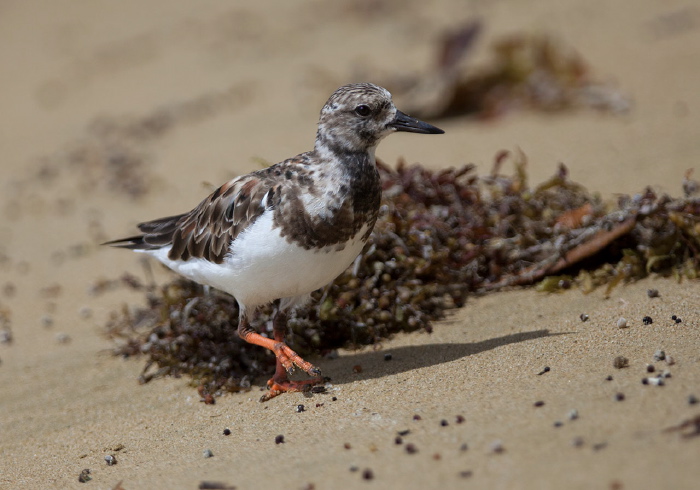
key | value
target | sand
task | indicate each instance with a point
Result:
(65, 402)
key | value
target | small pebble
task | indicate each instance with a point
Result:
(599, 446)
(62, 338)
(347, 445)
(300, 408)
(583, 317)
(577, 441)
(665, 374)
(539, 403)
(670, 360)
(546, 369)
(692, 400)
(367, 474)
(465, 446)
(444, 423)
(111, 460)
(653, 381)
(460, 419)
(620, 362)
(46, 321)
(650, 368)
(398, 440)
(496, 447)
(84, 476)
(558, 423)
(357, 369)
(334, 399)
(354, 468)
(653, 293)
(411, 448)
(609, 377)
(404, 432)
(659, 355)
(674, 317)
(279, 439)
(573, 414)
(417, 417)
(207, 453)
(227, 432)
(622, 323)
(678, 320)
(387, 357)
(647, 320)
(619, 397)
(466, 474)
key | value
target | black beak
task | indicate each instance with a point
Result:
(412, 125)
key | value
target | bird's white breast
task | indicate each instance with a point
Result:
(263, 266)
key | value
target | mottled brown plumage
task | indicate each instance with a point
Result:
(281, 232)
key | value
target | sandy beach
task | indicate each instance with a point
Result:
(242, 84)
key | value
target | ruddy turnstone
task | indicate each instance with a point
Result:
(280, 233)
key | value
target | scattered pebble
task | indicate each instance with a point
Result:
(398, 440)
(460, 419)
(600, 445)
(354, 468)
(647, 320)
(665, 374)
(110, 459)
(227, 432)
(620, 362)
(692, 400)
(496, 447)
(300, 408)
(334, 399)
(573, 414)
(46, 321)
(62, 338)
(347, 445)
(583, 317)
(619, 396)
(650, 368)
(367, 474)
(558, 423)
(539, 403)
(653, 381)
(678, 320)
(466, 474)
(279, 439)
(659, 355)
(546, 369)
(622, 323)
(318, 389)
(464, 447)
(609, 377)
(577, 441)
(212, 485)
(85, 312)
(404, 432)
(674, 317)
(417, 417)
(653, 293)
(411, 448)
(207, 453)
(444, 423)
(387, 357)
(84, 476)
(670, 360)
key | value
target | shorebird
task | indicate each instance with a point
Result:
(280, 233)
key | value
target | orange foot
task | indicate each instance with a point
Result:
(279, 386)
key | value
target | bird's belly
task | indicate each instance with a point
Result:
(263, 266)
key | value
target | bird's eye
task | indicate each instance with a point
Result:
(363, 110)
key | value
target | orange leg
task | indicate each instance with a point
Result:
(286, 358)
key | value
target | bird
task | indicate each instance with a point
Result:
(277, 234)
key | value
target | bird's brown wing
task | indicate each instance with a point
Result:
(208, 230)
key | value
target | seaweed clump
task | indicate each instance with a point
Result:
(441, 236)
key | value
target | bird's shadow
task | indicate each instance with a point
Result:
(372, 364)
